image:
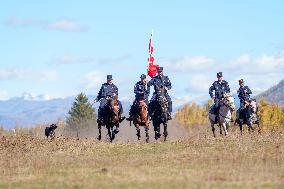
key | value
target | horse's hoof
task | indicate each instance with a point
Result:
(99, 137)
(147, 140)
(116, 131)
(157, 136)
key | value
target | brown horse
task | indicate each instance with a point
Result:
(111, 118)
(141, 118)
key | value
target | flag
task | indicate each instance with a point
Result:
(152, 68)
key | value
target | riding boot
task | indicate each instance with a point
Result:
(169, 116)
(100, 117)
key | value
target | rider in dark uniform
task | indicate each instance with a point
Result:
(162, 82)
(141, 90)
(220, 87)
(244, 93)
(108, 89)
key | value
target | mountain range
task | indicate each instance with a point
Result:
(29, 110)
(274, 94)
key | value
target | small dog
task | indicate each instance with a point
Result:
(50, 131)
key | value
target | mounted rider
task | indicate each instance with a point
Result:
(142, 91)
(244, 93)
(220, 87)
(162, 83)
(108, 89)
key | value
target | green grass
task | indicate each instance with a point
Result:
(253, 161)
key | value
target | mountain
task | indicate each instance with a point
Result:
(274, 94)
(29, 110)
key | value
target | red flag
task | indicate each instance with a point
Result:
(152, 68)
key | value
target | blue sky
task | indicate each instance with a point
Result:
(60, 48)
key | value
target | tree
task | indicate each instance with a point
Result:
(81, 114)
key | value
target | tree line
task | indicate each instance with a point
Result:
(271, 115)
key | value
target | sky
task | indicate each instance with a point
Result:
(61, 48)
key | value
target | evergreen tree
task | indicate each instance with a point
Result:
(81, 114)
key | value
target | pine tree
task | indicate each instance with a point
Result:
(81, 114)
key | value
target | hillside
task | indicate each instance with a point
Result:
(274, 94)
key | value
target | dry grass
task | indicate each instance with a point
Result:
(251, 161)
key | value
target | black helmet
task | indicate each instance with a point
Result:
(143, 76)
(109, 77)
(219, 74)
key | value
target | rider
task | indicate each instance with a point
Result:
(141, 90)
(244, 93)
(108, 89)
(162, 82)
(220, 87)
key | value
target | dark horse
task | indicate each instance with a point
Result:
(111, 118)
(141, 118)
(159, 113)
(248, 116)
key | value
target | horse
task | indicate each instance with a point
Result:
(159, 113)
(50, 131)
(248, 116)
(141, 118)
(111, 118)
(227, 106)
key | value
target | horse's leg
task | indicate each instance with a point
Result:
(109, 133)
(114, 131)
(220, 126)
(241, 127)
(259, 129)
(165, 131)
(157, 131)
(147, 132)
(138, 131)
(224, 125)
(250, 127)
(100, 131)
(213, 129)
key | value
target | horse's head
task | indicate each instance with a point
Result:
(252, 104)
(113, 108)
(229, 101)
(142, 111)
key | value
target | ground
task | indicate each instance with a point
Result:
(197, 161)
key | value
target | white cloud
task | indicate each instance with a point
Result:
(4, 95)
(65, 24)
(25, 74)
(186, 64)
(69, 58)
(199, 83)
(92, 81)
(196, 74)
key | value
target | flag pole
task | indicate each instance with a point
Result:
(149, 49)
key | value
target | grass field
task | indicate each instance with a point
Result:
(251, 161)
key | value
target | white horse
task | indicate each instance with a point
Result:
(227, 106)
